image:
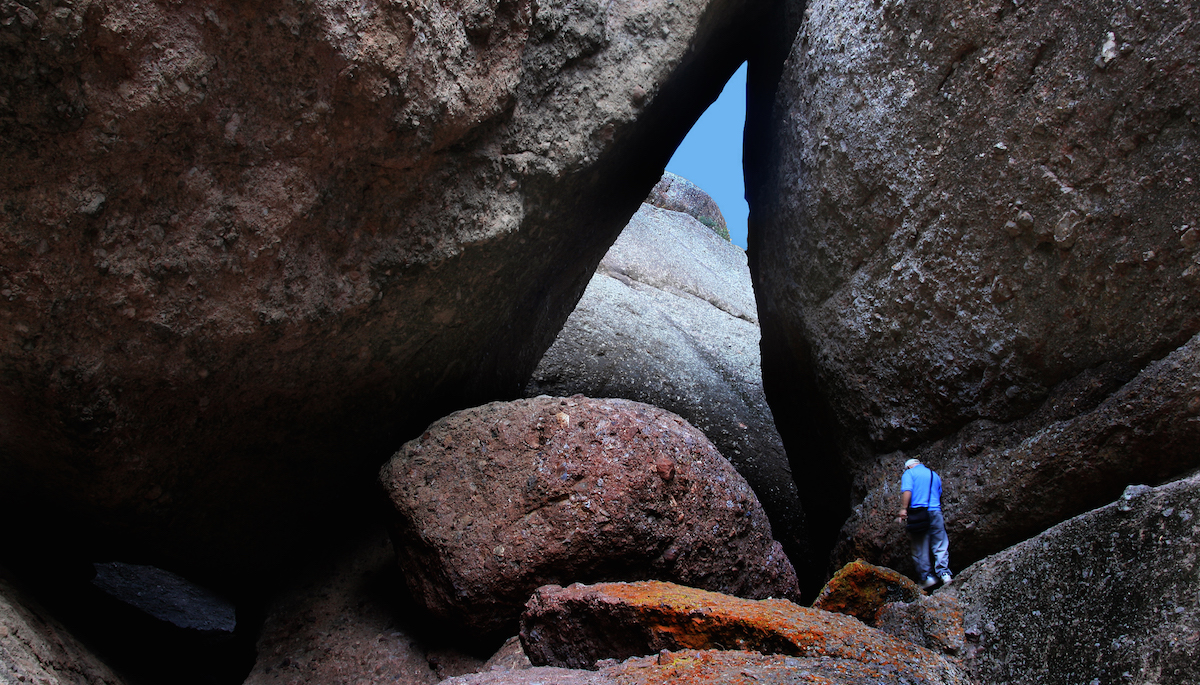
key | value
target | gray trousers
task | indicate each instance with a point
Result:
(932, 541)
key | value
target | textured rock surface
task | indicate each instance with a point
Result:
(495, 501)
(167, 597)
(935, 623)
(669, 319)
(343, 622)
(34, 648)
(1107, 597)
(249, 247)
(860, 590)
(1006, 482)
(678, 194)
(973, 204)
(580, 625)
(703, 667)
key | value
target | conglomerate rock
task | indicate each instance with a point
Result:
(1106, 597)
(669, 319)
(969, 205)
(580, 625)
(494, 501)
(248, 248)
(35, 648)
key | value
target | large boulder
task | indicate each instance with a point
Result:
(249, 248)
(35, 648)
(581, 625)
(970, 206)
(669, 319)
(495, 501)
(1106, 597)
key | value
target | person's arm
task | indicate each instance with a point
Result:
(905, 498)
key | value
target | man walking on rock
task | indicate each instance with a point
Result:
(921, 512)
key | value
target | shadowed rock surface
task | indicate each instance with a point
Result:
(344, 620)
(970, 205)
(495, 501)
(1109, 596)
(35, 648)
(580, 625)
(249, 248)
(669, 319)
(678, 194)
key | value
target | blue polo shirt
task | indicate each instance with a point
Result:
(916, 481)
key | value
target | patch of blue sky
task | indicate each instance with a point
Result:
(711, 155)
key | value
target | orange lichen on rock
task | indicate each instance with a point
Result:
(860, 590)
(579, 625)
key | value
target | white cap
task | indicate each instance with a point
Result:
(911, 463)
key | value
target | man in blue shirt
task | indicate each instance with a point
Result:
(921, 487)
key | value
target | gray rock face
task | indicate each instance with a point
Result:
(971, 206)
(34, 648)
(167, 597)
(495, 501)
(678, 194)
(669, 319)
(1106, 597)
(250, 247)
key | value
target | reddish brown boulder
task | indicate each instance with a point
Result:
(860, 590)
(495, 501)
(580, 625)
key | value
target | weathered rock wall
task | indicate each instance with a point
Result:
(1109, 596)
(249, 247)
(973, 206)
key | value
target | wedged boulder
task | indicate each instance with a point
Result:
(883, 598)
(1106, 597)
(678, 194)
(341, 620)
(971, 206)
(35, 648)
(580, 625)
(860, 590)
(703, 667)
(669, 319)
(249, 248)
(494, 501)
